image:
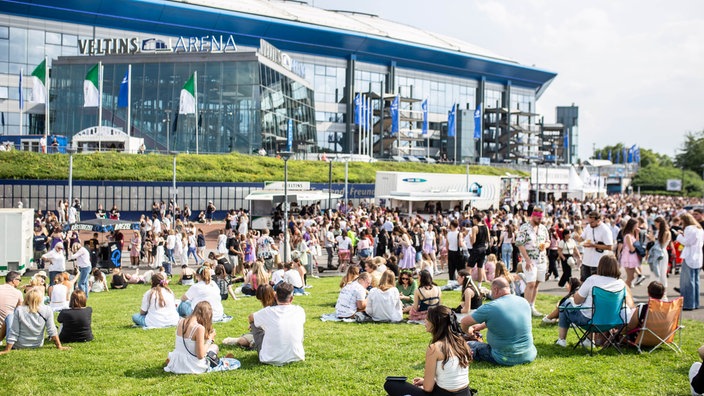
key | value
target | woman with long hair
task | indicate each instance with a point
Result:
(658, 256)
(158, 307)
(384, 302)
(195, 338)
(628, 257)
(442, 244)
(427, 295)
(506, 243)
(407, 288)
(471, 297)
(446, 360)
(255, 277)
(351, 274)
(692, 237)
(204, 290)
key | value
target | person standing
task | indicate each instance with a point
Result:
(39, 241)
(692, 237)
(279, 329)
(57, 259)
(82, 257)
(597, 240)
(532, 239)
(454, 255)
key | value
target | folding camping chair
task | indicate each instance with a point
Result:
(662, 321)
(608, 318)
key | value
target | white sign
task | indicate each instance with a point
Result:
(674, 185)
(298, 186)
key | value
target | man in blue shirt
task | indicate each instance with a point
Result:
(510, 331)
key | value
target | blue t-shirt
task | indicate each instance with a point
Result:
(509, 329)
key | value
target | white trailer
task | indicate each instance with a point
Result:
(16, 235)
(426, 193)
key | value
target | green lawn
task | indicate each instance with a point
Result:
(341, 358)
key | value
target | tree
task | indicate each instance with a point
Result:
(692, 155)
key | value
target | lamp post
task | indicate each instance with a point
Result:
(286, 155)
(168, 129)
(174, 153)
(70, 151)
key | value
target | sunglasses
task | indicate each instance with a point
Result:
(405, 278)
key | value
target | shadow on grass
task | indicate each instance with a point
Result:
(549, 350)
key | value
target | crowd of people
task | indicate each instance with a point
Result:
(389, 264)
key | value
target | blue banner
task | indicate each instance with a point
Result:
(625, 154)
(358, 109)
(124, 90)
(394, 115)
(610, 156)
(451, 121)
(424, 107)
(289, 135)
(566, 142)
(618, 157)
(478, 122)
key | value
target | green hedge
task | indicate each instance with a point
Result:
(220, 168)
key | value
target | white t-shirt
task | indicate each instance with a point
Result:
(206, 292)
(294, 278)
(158, 316)
(277, 276)
(343, 242)
(346, 305)
(171, 241)
(604, 282)
(601, 233)
(385, 306)
(452, 240)
(283, 333)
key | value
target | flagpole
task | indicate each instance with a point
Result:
(47, 89)
(370, 133)
(129, 100)
(398, 132)
(21, 101)
(100, 105)
(195, 97)
(361, 127)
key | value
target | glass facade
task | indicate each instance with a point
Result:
(243, 104)
(246, 102)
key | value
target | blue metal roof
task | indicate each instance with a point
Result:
(183, 19)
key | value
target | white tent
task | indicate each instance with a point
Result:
(575, 184)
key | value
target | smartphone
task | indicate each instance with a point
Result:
(396, 378)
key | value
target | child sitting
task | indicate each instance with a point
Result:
(656, 291)
(572, 286)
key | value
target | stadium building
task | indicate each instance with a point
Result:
(272, 74)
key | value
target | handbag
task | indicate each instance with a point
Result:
(211, 357)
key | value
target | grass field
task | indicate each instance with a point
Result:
(341, 358)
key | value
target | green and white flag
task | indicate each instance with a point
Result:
(91, 93)
(187, 103)
(39, 80)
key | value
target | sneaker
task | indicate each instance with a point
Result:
(677, 289)
(562, 343)
(587, 343)
(535, 312)
(547, 320)
(640, 279)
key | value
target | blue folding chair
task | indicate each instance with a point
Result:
(608, 318)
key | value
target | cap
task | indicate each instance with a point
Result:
(40, 273)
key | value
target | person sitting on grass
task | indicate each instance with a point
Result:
(509, 328)
(255, 277)
(266, 296)
(353, 297)
(186, 276)
(195, 351)
(447, 360)
(370, 266)
(406, 287)
(292, 276)
(30, 321)
(118, 280)
(696, 375)
(471, 296)
(279, 329)
(572, 286)
(59, 294)
(76, 321)
(384, 302)
(427, 295)
(224, 283)
(97, 282)
(203, 290)
(158, 307)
